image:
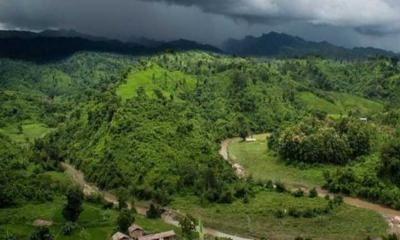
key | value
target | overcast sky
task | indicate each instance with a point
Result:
(343, 22)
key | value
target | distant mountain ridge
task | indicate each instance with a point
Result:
(180, 44)
(276, 44)
(57, 44)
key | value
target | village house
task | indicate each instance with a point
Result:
(120, 236)
(137, 233)
(250, 139)
(170, 235)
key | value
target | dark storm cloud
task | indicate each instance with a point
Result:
(120, 18)
(345, 22)
(365, 16)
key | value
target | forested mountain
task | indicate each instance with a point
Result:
(150, 126)
(180, 45)
(283, 45)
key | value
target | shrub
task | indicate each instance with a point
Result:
(68, 228)
(96, 198)
(390, 156)
(293, 212)
(280, 187)
(338, 199)
(298, 193)
(42, 233)
(107, 205)
(313, 193)
(125, 219)
(280, 213)
(309, 213)
(153, 212)
(73, 207)
(188, 226)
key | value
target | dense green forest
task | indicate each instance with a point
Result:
(153, 125)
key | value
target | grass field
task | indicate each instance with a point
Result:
(154, 77)
(256, 219)
(95, 222)
(339, 104)
(29, 132)
(265, 165)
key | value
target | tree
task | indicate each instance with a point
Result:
(392, 236)
(141, 92)
(358, 136)
(122, 198)
(153, 212)
(313, 193)
(188, 226)
(42, 233)
(73, 208)
(242, 126)
(390, 157)
(125, 219)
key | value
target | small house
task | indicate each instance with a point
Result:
(250, 139)
(120, 236)
(364, 119)
(135, 232)
(170, 235)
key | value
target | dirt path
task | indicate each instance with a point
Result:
(169, 216)
(223, 151)
(391, 216)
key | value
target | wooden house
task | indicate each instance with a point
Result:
(120, 236)
(170, 235)
(135, 232)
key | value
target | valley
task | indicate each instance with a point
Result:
(141, 133)
(199, 120)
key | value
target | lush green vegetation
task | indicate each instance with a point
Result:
(316, 141)
(258, 218)
(94, 223)
(154, 125)
(263, 165)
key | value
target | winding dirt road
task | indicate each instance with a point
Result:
(169, 216)
(391, 216)
(223, 151)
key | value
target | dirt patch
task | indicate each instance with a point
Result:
(224, 152)
(42, 223)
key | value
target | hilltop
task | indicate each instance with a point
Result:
(275, 44)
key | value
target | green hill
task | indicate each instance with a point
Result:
(339, 103)
(154, 77)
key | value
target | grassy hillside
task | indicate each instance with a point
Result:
(335, 103)
(154, 77)
(25, 132)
